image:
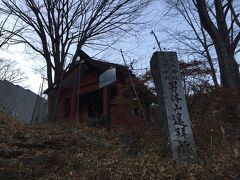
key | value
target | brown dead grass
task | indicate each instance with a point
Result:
(74, 151)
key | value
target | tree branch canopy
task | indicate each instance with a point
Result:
(226, 24)
(224, 31)
(57, 28)
(10, 72)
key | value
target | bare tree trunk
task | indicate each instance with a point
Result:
(208, 56)
(225, 48)
(230, 79)
(229, 71)
(53, 105)
(54, 94)
(213, 72)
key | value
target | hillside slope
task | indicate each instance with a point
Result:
(48, 151)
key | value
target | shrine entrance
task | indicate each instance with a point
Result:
(90, 105)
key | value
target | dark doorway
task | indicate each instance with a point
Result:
(95, 103)
(90, 105)
(67, 107)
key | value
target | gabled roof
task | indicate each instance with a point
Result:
(97, 65)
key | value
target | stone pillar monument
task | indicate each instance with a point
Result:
(173, 108)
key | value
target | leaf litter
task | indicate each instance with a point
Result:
(75, 151)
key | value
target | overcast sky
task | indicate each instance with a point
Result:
(139, 48)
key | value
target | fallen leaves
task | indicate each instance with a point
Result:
(50, 151)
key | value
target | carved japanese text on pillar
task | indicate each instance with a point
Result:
(179, 124)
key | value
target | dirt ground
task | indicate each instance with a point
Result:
(74, 151)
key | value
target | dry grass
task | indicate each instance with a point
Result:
(48, 151)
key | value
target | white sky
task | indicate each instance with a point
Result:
(26, 65)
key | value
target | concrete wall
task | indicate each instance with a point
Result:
(23, 104)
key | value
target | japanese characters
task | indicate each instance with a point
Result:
(170, 90)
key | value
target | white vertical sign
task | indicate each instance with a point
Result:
(107, 77)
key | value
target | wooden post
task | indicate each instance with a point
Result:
(109, 109)
(106, 106)
(173, 108)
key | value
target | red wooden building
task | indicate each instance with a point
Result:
(82, 98)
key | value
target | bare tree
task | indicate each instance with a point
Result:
(57, 28)
(6, 29)
(195, 40)
(220, 18)
(224, 30)
(10, 72)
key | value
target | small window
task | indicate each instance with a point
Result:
(67, 107)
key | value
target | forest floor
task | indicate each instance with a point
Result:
(74, 151)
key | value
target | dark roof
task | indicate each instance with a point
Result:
(97, 65)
